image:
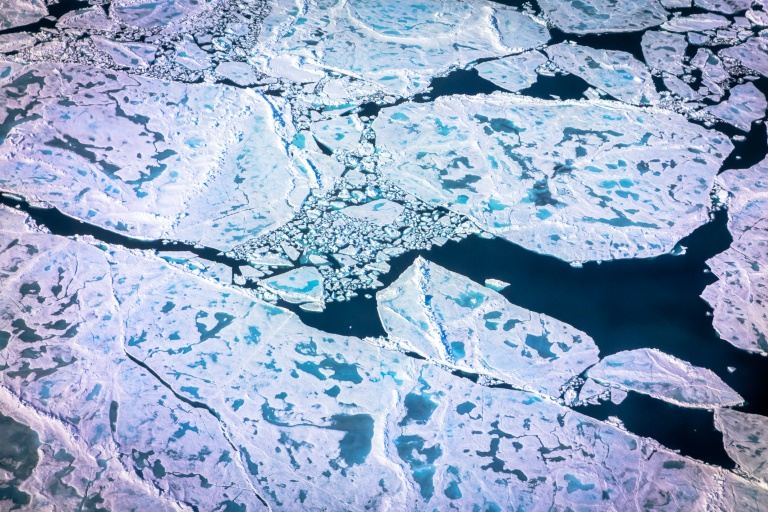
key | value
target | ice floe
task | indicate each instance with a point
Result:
(578, 180)
(745, 437)
(740, 296)
(654, 373)
(616, 73)
(753, 54)
(298, 286)
(450, 319)
(599, 16)
(664, 51)
(745, 105)
(16, 13)
(513, 73)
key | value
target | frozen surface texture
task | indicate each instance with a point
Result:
(450, 319)
(740, 296)
(579, 180)
(149, 158)
(598, 16)
(190, 394)
(665, 377)
(746, 440)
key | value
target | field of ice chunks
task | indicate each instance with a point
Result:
(304, 146)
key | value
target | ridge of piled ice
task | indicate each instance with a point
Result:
(745, 437)
(745, 105)
(398, 46)
(600, 16)
(150, 158)
(513, 73)
(664, 51)
(216, 400)
(662, 376)
(740, 295)
(614, 72)
(579, 180)
(450, 319)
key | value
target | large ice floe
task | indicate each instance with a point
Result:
(740, 296)
(589, 16)
(159, 390)
(397, 46)
(149, 158)
(578, 180)
(745, 440)
(449, 319)
(654, 373)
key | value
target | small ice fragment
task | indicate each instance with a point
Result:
(496, 284)
(304, 284)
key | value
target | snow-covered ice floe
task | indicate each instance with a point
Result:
(654, 373)
(186, 393)
(740, 296)
(449, 319)
(152, 159)
(746, 440)
(579, 180)
(598, 16)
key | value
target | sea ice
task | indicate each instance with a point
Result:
(297, 286)
(654, 373)
(599, 16)
(16, 13)
(664, 51)
(740, 296)
(381, 212)
(397, 45)
(696, 23)
(753, 54)
(185, 393)
(149, 158)
(513, 73)
(745, 104)
(450, 319)
(238, 72)
(724, 6)
(746, 440)
(616, 73)
(496, 284)
(578, 180)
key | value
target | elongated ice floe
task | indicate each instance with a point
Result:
(16, 13)
(745, 437)
(448, 318)
(396, 45)
(578, 180)
(149, 158)
(614, 72)
(513, 73)
(185, 393)
(598, 16)
(654, 373)
(740, 296)
(664, 51)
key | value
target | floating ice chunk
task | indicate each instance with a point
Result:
(664, 51)
(745, 437)
(592, 392)
(398, 46)
(714, 77)
(513, 73)
(16, 41)
(496, 284)
(740, 296)
(239, 72)
(752, 54)
(654, 373)
(304, 284)
(724, 6)
(450, 319)
(339, 133)
(680, 88)
(189, 55)
(578, 180)
(381, 212)
(745, 105)
(16, 13)
(154, 14)
(124, 54)
(696, 23)
(676, 4)
(598, 16)
(616, 73)
(150, 158)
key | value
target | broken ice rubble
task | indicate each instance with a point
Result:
(654, 373)
(578, 180)
(740, 296)
(185, 393)
(448, 318)
(745, 439)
